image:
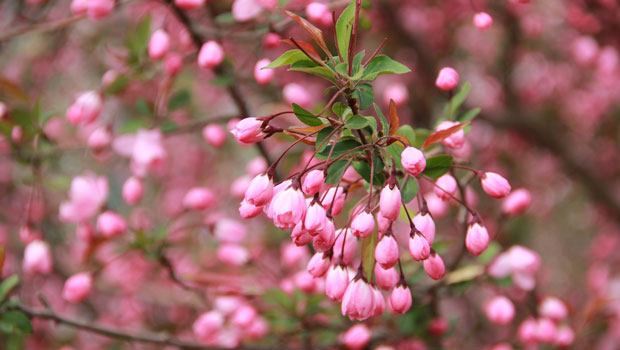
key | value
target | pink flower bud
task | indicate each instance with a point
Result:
(434, 266)
(425, 224)
(546, 331)
(258, 329)
(239, 186)
(304, 281)
(214, 134)
(292, 256)
(336, 282)
(494, 185)
(455, 140)
(386, 253)
(476, 239)
(79, 7)
(350, 246)
(99, 139)
(445, 187)
(248, 211)
(85, 109)
(132, 190)
(3, 110)
(382, 224)
(28, 234)
(386, 279)
(413, 160)
(447, 79)
(271, 40)
(16, 133)
(229, 231)
(211, 55)
(527, 332)
(516, 202)
(357, 337)
(189, 4)
(263, 75)
(37, 258)
(173, 62)
(319, 264)
(260, 190)
(98, 9)
(564, 336)
(315, 11)
(553, 308)
(313, 181)
(296, 93)
(418, 247)
(199, 198)
(389, 202)
(438, 326)
(397, 92)
(483, 20)
(232, 254)
(207, 325)
(363, 224)
(248, 131)
(245, 10)
(337, 196)
(315, 218)
(358, 301)
(585, 50)
(289, 208)
(110, 224)
(499, 310)
(257, 165)
(300, 236)
(159, 44)
(400, 299)
(379, 302)
(326, 238)
(77, 287)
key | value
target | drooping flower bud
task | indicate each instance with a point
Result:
(326, 237)
(483, 20)
(397, 92)
(346, 253)
(389, 202)
(315, 218)
(357, 337)
(262, 75)
(173, 62)
(132, 190)
(85, 109)
(289, 208)
(413, 160)
(319, 264)
(110, 224)
(271, 40)
(37, 258)
(425, 224)
(207, 325)
(336, 282)
(260, 190)
(248, 131)
(382, 224)
(386, 279)
(445, 187)
(158, 44)
(400, 298)
(500, 310)
(516, 202)
(199, 198)
(99, 139)
(495, 185)
(245, 10)
(419, 247)
(434, 266)
(456, 140)
(232, 254)
(447, 79)
(300, 236)
(358, 301)
(211, 55)
(546, 331)
(363, 224)
(315, 11)
(477, 238)
(527, 332)
(553, 308)
(313, 181)
(248, 211)
(296, 93)
(336, 195)
(77, 287)
(386, 253)
(565, 336)
(214, 134)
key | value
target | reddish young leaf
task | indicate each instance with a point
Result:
(305, 46)
(307, 141)
(309, 129)
(437, 136)
(394, 120)
(315, 32)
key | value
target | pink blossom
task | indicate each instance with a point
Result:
(516, 202)
(337, 196)
(37, 258)
(397, 92)
(248, 211)
(159, 43)
(313, 181)
(553, 308)
(447, 79)
(173, 63)
(232, 254)
(419, 247)
(363, 224)
(425, 224)
(85, 109)
(386, 278)
(495, 185)
(389, 202)
(199, 198)
(456, 140)
(296, 93)
(445, 187)
(336, 282)
(145, 148)
(211, 55)
(358, 301)
(386, 252)
(189, 4)
(77, 287)
(99, 139)
(214, 134)
(357, 337)
(350, 246)
(245, 10)
(434, 266)
(400, 299)
(483, 20)
(289, 208)
(260, 190)
(88, 193)
(316, 10)
(476, 239)
(500, 310)
(262, 75)
(546, 331)
(133, 190)
(318, 264)
(207, 325)
(248, 131)
(111, 224)
(413, 160)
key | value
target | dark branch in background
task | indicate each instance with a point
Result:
(232, 89)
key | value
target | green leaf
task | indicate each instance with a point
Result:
(408, 132)
(368, 253)
(335, 171)
(437, 166)
(338, 108)
(372, 122)
(138, 40)
(395, 151)
(344, 25)
(16, 321)
(223, 80)
(179, 100)
(469, 115)
(342, 69)
(117, 85)
(364, 95)
(409, 190)
(339, 148)
(310, 67)
(142, 107)
(357, 122)
(132, 125)
(358, 70)
(320, 137)
(225, 18)
(276, 296)
(489, 253)
(305, 116)
(168, 126)
(287, 58)
(382, 64)
(384, 123)
(7, 285)
(421, 135)
(363, 169)
(456, 101)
